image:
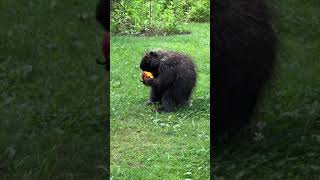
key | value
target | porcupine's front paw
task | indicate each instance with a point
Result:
(148, 82)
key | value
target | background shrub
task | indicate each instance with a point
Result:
(199, 11)
(156, 17)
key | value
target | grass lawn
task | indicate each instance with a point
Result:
(288, 141)
(149, 145)
(53, 99)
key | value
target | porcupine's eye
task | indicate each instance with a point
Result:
(154, 64)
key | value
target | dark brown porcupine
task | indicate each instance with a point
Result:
(243, 61)
(174, 78)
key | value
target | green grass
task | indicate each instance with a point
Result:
(149, 145)
(290, 147)
(53, 99)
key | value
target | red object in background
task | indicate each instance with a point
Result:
(106, 50)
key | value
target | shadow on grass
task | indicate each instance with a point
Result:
(195, 104)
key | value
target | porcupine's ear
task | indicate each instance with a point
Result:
(153, 54)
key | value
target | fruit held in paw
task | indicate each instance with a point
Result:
(146, 75)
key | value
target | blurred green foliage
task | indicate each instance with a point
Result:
(156, 17)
